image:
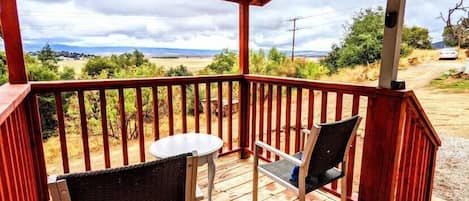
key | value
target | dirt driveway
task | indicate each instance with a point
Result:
(449, 113)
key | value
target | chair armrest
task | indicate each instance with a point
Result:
(279, 153)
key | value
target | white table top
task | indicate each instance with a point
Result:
(184, 143)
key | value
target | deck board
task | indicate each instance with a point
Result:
(233, 182)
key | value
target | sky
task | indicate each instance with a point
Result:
(204, 24)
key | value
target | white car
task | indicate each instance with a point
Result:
(449, 53)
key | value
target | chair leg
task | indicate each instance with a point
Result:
(255, 177)
(302, 196)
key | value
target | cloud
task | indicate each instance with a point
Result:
(207, 24)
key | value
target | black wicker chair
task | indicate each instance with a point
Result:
(169, 179)
(326, 147)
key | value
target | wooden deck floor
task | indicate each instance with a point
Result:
(233, 181)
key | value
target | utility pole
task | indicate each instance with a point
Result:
(294, 33)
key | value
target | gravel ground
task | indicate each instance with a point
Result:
(452, 169)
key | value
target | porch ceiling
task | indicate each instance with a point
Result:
(252, 2)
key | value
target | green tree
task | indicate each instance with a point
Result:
(276, 56)
(223, 62)
(48, 58)
(96, 65)
(180, 70)
(3, 69)
(416, 37)
(363, 42)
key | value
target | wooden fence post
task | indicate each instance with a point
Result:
(244, 69)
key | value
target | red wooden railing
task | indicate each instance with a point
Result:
(216, 83)
(396, 146)
(286, 131)
(418, 154)
(22, 173)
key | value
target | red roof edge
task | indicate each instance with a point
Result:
(253, 2)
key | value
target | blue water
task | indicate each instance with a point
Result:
(155, 52)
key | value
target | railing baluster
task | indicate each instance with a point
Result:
(170, 110)
(338, 117)
(183, 108)
(299, 98)
(196, 108)
(288, 121)
(220, 111)
(230, 115)
(123, 124)
(84, 130)
(11, 159)
(140, 128)
(351, 156)
(310, 109)
(62, 138)
(277, 118)
(269, 116)
(261, 112)
(16, 157)
(156, 116)
(208, 108)
(102, 103)
(253, 115)
(324, 107)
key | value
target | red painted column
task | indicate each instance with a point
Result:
(244, 69)
(12, 39)
(385, 120)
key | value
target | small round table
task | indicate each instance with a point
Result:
(207, 147)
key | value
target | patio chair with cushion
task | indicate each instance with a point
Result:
(326, 147)
(169, 179)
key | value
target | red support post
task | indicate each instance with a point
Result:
(385, 120)
(12, 38)
(244, 69)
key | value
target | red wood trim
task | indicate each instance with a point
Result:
(253, 115)
(244, 37)
(431, 134)
(310, 108)
(299, 98)
(103, 104)
(244, 118)
(5, 187)
(75, 85)
(269, 116)
(170, 110)
(277, 118)
(351, 156)
(63, 139)
(20, 151)
(431, 174)
(12, 40)
(288, 121)
(12, 160)
(35, 136)
(156, 116)
(140, 128)
(220, 111)
(321, 85)
(407, 171)
(404, 158)
(196, 108)
(123, 124)
(230, 115)
(184, 108)
(414, 167)
(84, 130)
(12, 97)
(261, 113)
(324, 107)
(208, 108)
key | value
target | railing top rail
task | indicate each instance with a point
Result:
(432, 134)
(319, 85)
(75, 85)
(11, 95)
